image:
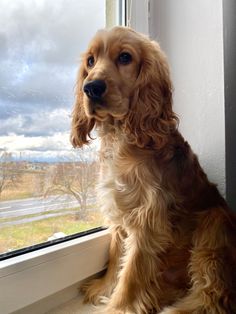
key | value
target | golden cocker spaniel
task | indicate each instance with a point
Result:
(173, 237)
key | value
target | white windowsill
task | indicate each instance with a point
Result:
(31, 277)
(73, 306)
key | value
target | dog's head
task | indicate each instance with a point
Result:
(123, 76)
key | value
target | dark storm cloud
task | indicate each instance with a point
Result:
(39, 84)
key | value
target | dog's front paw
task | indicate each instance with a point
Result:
(112, 310)
(171, 310)
(95, 291)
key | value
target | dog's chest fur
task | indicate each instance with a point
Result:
(129, 198)
(130, 184)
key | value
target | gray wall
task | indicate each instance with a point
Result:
(229, 18)
(191, 34)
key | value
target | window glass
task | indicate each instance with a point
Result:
(47, 189)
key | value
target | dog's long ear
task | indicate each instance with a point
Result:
(81, 125)
(150, 118)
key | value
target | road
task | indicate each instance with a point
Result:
(16, 210)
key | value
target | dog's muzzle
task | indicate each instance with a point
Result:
(95, 90)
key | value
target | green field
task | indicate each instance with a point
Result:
(36, 180)
(27, 234)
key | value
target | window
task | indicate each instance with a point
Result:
(56, 269)
(47, 189)
(61, 266)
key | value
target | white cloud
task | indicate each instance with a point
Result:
(50, 148)
(20, 143)
(37, 123)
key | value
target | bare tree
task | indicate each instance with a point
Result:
(10, 172)
(77, 178)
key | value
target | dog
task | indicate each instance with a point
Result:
(173, 237)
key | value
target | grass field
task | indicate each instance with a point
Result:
(23, 235)
(32, 184)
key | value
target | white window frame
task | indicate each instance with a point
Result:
(30, 277)
(34, 276)
(138, 15)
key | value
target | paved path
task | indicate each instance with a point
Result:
(16, 211)
(30, 206)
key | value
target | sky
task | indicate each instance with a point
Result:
(40, 45)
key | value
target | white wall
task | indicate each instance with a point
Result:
(191, 34)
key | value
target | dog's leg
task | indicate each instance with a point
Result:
(138, 289)
(212, 270)
(210, 293)
(104, 286)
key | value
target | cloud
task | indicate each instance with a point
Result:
(18, 143)
(40, 44)
(38, 85)
(50, 31)
(47, 148)
(40, 123)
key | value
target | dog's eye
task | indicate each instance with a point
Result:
(90, 61)
(125, 58)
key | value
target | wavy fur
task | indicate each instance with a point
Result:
(173, 237)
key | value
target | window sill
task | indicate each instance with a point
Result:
(74, 306)
(67, 301)
(29, 278)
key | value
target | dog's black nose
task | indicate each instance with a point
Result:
(95, 89)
